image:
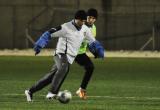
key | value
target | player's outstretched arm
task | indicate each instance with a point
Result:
(95, 46)
(46, 37)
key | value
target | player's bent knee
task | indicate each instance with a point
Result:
(90, 67)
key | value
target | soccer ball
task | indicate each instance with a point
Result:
(64, 96)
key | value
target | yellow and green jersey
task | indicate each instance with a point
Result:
(83, 47)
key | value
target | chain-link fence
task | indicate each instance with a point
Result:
(122, 25)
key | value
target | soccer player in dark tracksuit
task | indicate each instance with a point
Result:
(82, 59)
(70, 36)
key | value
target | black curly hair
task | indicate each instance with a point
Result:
(92, 12)
(81, 14)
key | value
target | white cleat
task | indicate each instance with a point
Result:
(50, 95)
(28, 96)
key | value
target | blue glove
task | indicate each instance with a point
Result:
(44, 39)
(37, 49)
(42, 42)
(100, 52)
(96, 49)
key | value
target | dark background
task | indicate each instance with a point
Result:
(122, 24)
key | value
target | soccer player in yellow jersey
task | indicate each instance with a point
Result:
(82, 59)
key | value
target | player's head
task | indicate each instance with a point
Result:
(92, 16)
(80, 17)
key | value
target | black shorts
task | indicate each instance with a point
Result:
(83, 60)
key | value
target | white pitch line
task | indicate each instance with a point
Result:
(149, 87)
(118, 97)
(112, 97)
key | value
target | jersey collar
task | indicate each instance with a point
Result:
(78, 28)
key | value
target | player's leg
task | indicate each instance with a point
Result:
(41, 83)
(61, 73)
(88, 65)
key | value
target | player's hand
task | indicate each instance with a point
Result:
(100, 52)
(37, 49)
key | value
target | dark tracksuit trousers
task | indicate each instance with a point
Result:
(55, 77)
(84, 61)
